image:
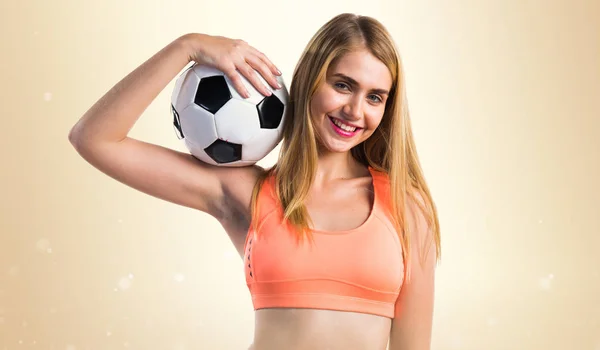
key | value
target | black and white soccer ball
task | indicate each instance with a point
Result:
(220, 127)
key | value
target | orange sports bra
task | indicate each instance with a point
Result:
(359, 270)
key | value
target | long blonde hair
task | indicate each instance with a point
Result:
(390, 149)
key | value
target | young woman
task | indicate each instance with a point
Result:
(340, 238)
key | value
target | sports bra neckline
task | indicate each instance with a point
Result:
(369, 218)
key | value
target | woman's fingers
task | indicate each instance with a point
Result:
(259, 65)
(237, 81)
(246, 61)
(248, 71)
(267, 61)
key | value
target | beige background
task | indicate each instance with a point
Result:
(504, 98)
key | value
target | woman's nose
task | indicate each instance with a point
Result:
(353, 109)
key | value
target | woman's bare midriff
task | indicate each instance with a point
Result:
(309, 329)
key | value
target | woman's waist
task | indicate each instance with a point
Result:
(314, 329)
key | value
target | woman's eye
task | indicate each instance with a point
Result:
(377, 98)
(374, 98)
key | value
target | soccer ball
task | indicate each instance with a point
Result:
(220, 127)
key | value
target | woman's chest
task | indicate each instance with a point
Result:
(339, 208)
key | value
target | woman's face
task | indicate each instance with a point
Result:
(347, 108)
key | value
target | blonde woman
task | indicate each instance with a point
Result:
(340, 237)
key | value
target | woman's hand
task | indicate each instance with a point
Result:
(234, 57)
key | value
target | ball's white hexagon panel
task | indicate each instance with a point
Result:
(183, 97)
(178, 86)
(198, 126)
(263, 142)
(237, 121)
(205, 71)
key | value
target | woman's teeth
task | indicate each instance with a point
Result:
(343, 126)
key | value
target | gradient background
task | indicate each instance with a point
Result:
(505, 106)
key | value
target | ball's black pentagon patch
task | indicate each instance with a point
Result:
(212, 93)
(177, 123)
(270, 112)
(224, 152)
